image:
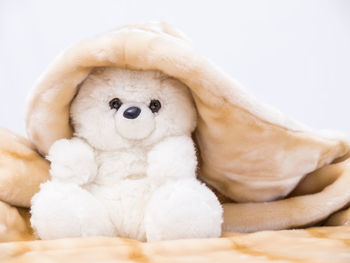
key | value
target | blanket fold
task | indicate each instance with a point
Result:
(22, 169)
(287, 213)
(327, 244)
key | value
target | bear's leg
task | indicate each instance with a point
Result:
(183, 209)
(66, 210)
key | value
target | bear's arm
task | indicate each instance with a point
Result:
(175, 157)
(72, 161)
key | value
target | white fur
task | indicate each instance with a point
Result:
(63, 209)
(72, 161)
(123, 177)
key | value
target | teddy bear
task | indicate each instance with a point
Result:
(130, 168)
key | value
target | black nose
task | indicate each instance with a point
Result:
(132, 112)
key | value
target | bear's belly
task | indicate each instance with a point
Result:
(126, 202)
(117, 166)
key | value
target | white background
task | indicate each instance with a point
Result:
(294, 55)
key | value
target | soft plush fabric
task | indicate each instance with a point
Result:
(248, 151)
(130, 163)
(296, 211)
(14, 224)
(22, 169)
(326, 244)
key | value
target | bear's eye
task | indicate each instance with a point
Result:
(155, 105)
(115, 103)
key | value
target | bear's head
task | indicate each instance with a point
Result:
(119, 108)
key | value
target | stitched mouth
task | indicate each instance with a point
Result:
(136, 176)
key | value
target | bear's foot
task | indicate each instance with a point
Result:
(62, 210)
(183, 209)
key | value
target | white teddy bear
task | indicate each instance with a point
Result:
(130, 169)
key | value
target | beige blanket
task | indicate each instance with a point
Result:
(323, 244)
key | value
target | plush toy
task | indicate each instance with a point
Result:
(130, 169)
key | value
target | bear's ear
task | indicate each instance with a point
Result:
(249, 152)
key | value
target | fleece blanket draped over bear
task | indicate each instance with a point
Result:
(269, 171)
